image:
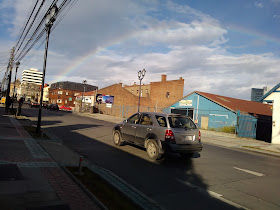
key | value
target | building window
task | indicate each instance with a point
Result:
(141, 92)
(132, 91)
(60, 92)
(59, 101)
(167, 94)
(76, 94)
(137, 91)
(66, 101)
(67, 93)
(146, 90)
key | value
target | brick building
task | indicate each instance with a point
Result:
(64, 93)
(161, 93)
(156, 94)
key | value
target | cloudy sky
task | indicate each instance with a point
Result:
(217, 46)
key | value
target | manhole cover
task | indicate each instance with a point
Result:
(10, 172)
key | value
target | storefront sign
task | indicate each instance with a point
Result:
(185, 103)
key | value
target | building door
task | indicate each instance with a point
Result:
(204, 122)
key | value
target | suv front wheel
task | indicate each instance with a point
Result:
(153, 150)
(117, 138)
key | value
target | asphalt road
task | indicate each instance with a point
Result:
(217, 178)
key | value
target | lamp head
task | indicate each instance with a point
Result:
(17, 63)
(50, 18)
(143, 72)
(139, 74)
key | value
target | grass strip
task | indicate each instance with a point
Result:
(32, 131)
(107, 194)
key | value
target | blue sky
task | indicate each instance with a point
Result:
(220, 47)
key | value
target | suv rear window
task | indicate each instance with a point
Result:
(161, 121)
(181, 122)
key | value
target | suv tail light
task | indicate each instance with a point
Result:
(169, 136)
(199, 136)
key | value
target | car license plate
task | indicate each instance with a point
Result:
(189, 138)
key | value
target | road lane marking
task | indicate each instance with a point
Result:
(212, 194)
(250, 172)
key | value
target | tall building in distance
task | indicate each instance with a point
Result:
(32, 76)
(31, 81)
(257, 93)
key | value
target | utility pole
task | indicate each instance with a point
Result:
(8, 100)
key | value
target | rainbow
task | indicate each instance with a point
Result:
(90, 55)
(253, 33)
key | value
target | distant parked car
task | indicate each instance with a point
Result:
(34, 104)
(45, 105)
(68, 108)
(53, 107)
(160, 133)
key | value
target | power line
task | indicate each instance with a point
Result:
(19, 57)
(27, 23)
(36, 28)
(26, 48)
(31, 25)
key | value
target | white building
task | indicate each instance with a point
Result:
(32, 76)
(273, 97)
(31, 82)
(46, 92)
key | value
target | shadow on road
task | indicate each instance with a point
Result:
(172, 182)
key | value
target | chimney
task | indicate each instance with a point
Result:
(163, 78)
(181, 78)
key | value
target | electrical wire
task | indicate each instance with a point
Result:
(27, 22)
(60, 11)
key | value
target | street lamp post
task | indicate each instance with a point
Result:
(17, 65)
(50, 18)
(141, 75)
(84, 83)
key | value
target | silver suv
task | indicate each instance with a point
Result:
(159, 133)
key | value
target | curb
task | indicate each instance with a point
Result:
(90, 195)
(260, 151)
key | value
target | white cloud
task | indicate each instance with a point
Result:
(107, 42)
(258, 4)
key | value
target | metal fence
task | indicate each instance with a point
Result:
(246, 125)
(241, 124)
(122, 110)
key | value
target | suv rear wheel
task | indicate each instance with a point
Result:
(117, 138)
(153, 150)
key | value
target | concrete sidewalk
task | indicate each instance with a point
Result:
(215, 138)
(34, 175)
(29, 177)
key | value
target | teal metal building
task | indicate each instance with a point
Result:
(213, 112)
